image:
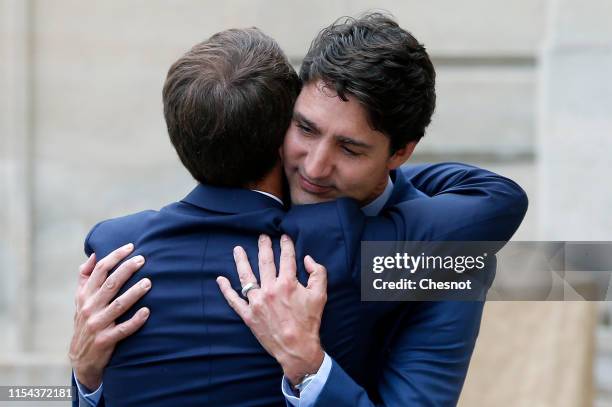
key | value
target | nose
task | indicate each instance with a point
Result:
(318, 163)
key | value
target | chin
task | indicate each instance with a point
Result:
(300, 197)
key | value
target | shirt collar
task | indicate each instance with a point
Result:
(374, 207)
(230, 200)
(277, 199)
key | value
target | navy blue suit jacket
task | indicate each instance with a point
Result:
(194, 350)
(420, 351)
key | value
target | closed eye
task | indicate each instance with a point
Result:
(350, 152)
(305, 129)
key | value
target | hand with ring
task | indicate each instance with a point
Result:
(250, 286)
(284, 315)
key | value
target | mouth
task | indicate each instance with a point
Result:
(313, 188)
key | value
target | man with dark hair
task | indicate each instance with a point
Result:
(236, 83)
(381, 65)
(368, 93)
(370, 82)
(193, 349)
(227, 104)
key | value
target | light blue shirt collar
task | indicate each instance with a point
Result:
(374, 207)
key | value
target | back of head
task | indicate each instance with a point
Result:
(227, 105)
(381, 65)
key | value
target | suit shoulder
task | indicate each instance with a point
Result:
(110, 234)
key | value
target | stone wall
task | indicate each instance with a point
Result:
(82, 132)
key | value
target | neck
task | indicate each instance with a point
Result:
(271, 183)
(374, 207)
(377, 192)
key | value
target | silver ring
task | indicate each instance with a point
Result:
(248, 287)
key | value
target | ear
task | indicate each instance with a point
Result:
(401, 155)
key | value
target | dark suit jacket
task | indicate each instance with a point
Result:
(194, 350)
(420, 352)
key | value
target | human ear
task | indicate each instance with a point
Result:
(401, 156)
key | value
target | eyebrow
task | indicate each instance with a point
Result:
(342, 139)
(353, 142)
(300, 118)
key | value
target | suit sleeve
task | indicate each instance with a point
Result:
(422, 368)
(464, 203)
(425, 364)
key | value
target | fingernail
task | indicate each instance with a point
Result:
(146, 283)
(308, 258)
(138, 260)
(145, 312)
(128, 247)
(236, 251)
(284, 238)
(262, 238)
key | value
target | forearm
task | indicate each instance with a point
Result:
(419, 369)
(481, 204)
(308, 393)
(87, 397)
(301, 359)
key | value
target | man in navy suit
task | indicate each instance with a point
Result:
(194, 349)
(362, 79)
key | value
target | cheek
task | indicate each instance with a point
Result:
(360, 176)
(291, 150)
(294, 148)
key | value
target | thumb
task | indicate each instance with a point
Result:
(317, 279)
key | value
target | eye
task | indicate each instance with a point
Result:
(303, 128)
(349, 152)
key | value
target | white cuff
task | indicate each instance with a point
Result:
(92, 398)
(308, 396)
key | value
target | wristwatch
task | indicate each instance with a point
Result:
(304, 382)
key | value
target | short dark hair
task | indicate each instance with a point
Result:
(383, 66)
(228, 103)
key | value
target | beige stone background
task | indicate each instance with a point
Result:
(524, 90)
